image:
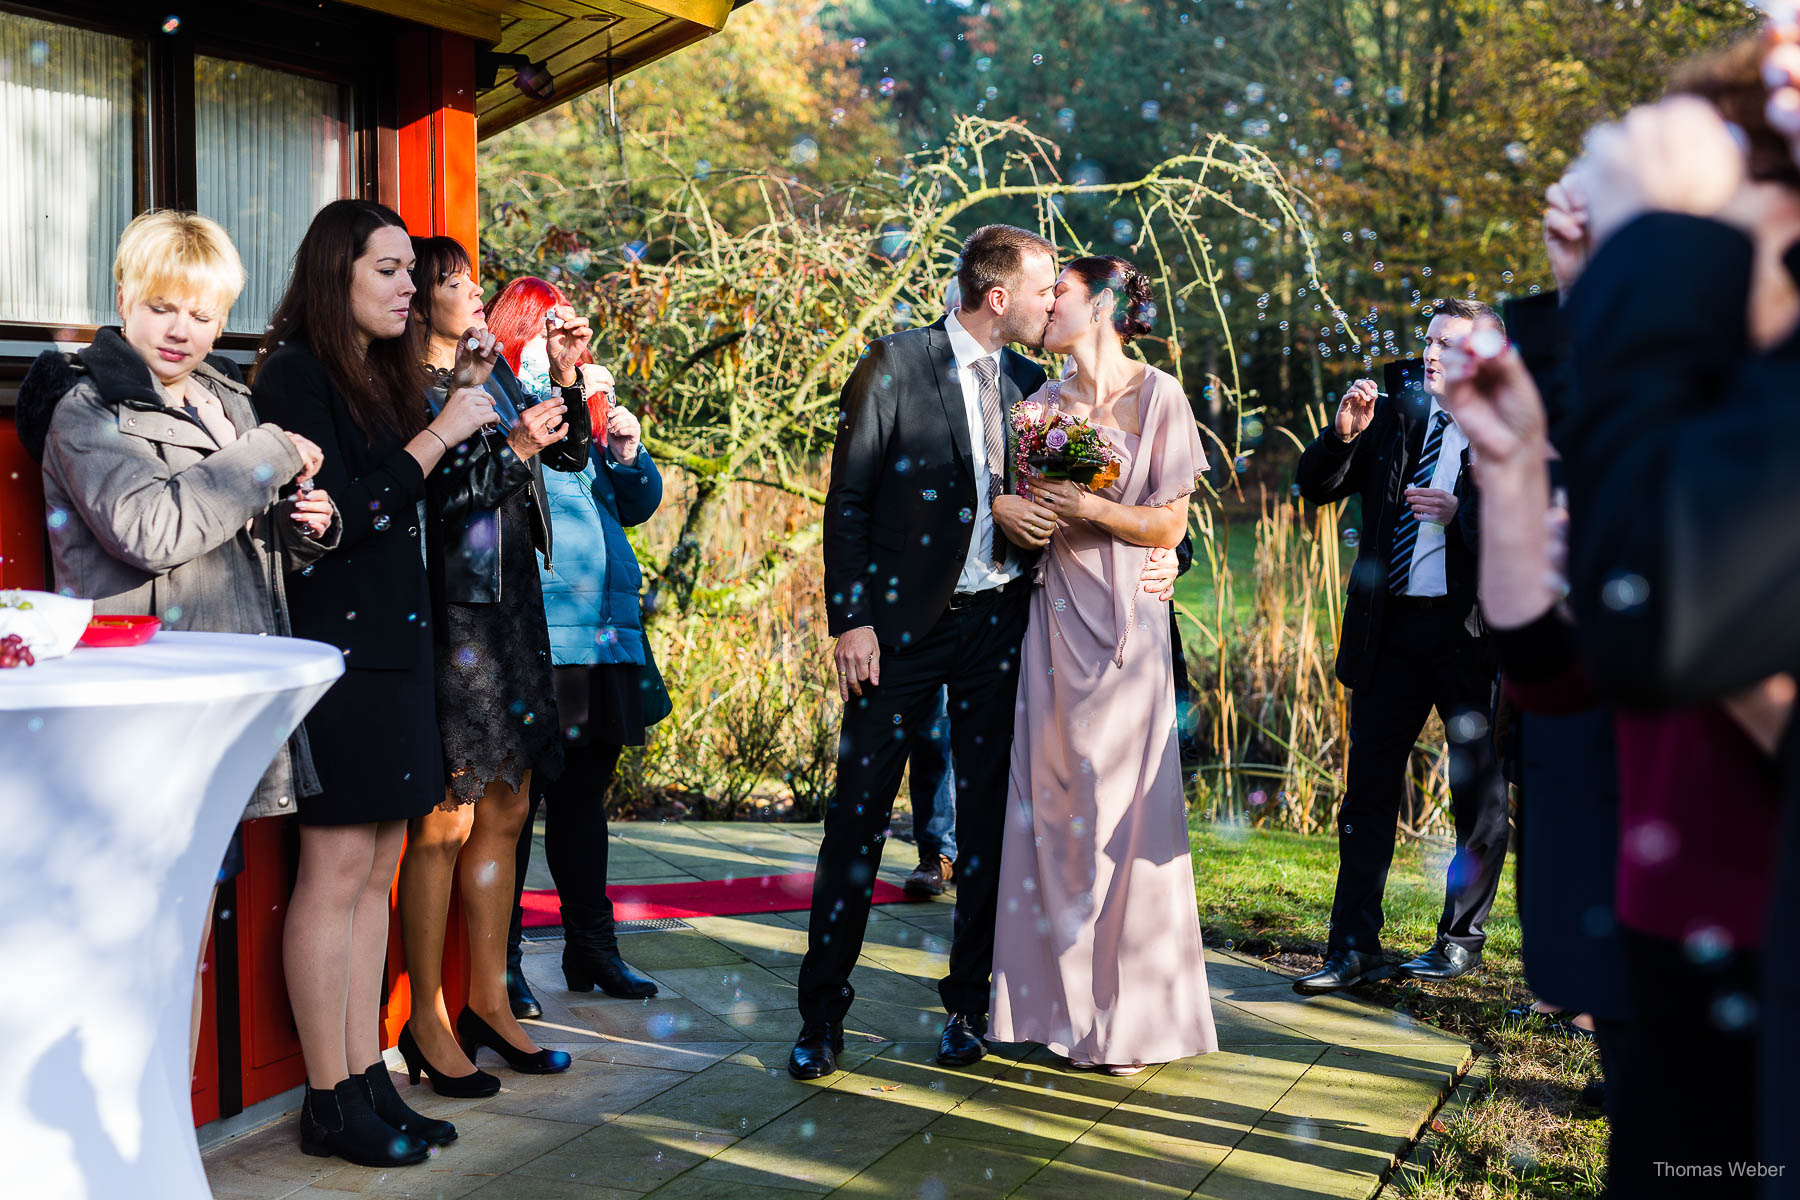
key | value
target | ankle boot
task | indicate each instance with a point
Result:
(591, 957)
(386, 1102)
(343, 1122)
(525, 1006)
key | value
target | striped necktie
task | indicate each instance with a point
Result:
(1406, 529)
(993, 437)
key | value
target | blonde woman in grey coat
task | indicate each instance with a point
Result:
(163, 493)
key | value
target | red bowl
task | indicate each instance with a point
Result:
(113, 631)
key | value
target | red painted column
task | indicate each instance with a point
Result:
(22, 562)
(436, 195)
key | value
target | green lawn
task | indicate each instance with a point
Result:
(1197, 591)
(1269, 894)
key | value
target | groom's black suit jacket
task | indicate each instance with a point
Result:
(900, 509)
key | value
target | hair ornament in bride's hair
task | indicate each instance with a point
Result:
(1134, 303)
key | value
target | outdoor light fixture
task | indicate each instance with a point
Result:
(532, 78)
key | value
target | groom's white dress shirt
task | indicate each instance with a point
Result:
(978, 573)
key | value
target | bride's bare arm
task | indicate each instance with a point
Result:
(1161, 526)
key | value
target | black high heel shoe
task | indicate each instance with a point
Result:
(473, 1033)
(461, 1086)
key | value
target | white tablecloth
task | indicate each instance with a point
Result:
(122, 775)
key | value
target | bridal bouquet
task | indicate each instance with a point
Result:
(1059, 446)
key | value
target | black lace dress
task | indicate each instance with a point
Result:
(496, 703)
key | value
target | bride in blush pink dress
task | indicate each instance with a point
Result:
(1097, 945)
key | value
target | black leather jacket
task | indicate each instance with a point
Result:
(476, 477)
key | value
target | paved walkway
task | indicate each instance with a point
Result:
(686, 1096)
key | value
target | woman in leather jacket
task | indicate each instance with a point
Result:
(496, 705)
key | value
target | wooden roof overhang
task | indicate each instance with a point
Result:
(584, 43)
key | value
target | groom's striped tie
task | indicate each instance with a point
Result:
(1406, 530)
(993, 436)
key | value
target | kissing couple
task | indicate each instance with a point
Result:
(1042, 605)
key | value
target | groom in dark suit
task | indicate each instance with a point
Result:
(1412, 641)
(925, 581)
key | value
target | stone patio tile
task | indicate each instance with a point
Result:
(1216, 1098)
(690, 1057)
(895, 1022)
(588, 1093)
(1029, 1115)
(626, 1157)
(1228, 972)
(488, 1144)
(1272, 1165)
(1239, 1029)
(264, 1163)
(929, 1164)
(526, 1187)
(1368, 1096)
(693, 1186)
(661, 1020)
(1338, 1020)
(732, 1098)
(658, 950)
(818, 1145)
(909, 1074)
(1061, 1180)
(734, 988)
(762, 938)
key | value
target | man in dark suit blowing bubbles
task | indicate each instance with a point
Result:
(1412, 641)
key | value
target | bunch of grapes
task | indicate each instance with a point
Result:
(14, 652)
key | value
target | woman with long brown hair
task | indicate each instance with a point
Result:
(495, 703)
(338, 367)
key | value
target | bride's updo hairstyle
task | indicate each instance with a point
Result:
(1134, 307)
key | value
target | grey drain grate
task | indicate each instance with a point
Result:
(552, 933)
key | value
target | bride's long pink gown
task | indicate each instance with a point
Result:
(1097, 946)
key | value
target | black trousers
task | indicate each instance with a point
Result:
(975, 652)
(574, 839)
(1425, 660)
(1685, 1104)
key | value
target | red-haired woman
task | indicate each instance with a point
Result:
(607, 687)
(496, 706)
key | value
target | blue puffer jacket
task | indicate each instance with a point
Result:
(591, 594)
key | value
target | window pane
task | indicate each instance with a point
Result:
(65, 190)
(270, 150)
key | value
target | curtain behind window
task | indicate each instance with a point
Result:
(66, 122)
(270, 150)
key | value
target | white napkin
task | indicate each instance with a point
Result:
(50, 624)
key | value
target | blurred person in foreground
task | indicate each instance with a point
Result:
(1698, 788)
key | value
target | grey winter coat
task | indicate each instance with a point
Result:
(147, 514)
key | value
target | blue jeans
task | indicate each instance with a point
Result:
(933, 783)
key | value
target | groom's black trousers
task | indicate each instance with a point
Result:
(975, 652)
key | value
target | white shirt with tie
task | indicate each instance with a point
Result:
(1427, 578)
(978, 573)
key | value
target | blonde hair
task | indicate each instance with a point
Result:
(178, 255)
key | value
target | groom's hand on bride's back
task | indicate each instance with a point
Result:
(857, 659)
(1160, 569)
(1025, 522)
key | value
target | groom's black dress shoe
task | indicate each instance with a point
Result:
(1445, 960)
(1343, 969)
(815, 1053)
(961, 1043)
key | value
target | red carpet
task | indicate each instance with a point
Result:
(701, 898)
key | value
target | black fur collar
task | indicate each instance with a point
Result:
(120, 376)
